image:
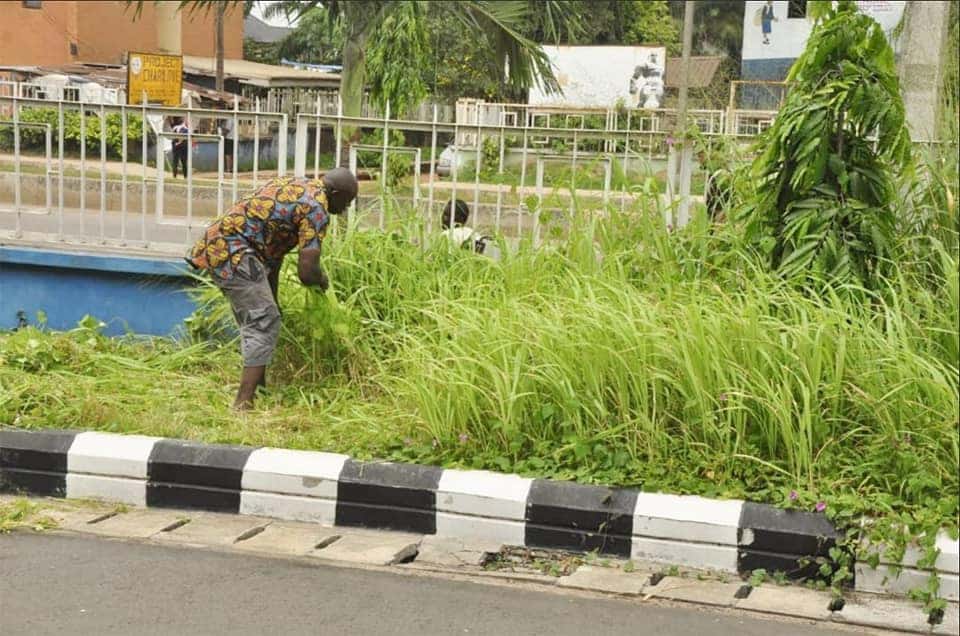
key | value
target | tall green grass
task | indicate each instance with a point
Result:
(624, 354)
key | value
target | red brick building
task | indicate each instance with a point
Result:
(41, 32)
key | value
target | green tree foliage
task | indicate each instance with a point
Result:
(459, 65)
(33, 139)
(315, 39)
(262, 52)
(718, 28)
(394, 33)
(401, 35)
(825, 194)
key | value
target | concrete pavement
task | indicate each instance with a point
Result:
(55, 584)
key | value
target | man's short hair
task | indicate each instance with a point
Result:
(460, 214)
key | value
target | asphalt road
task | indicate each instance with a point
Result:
(62, 584)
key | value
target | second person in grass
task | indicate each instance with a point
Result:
(243, 250)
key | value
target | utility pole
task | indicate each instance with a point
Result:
(686, 157)
(218, 44)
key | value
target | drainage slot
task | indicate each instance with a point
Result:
(102, 517)
(743, 592)
(836, 604)
(248, 534)
(656, 577)
(179, 523)
(409, 558)
(326, 542)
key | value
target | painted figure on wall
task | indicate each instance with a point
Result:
(766, 18)
(647, 83)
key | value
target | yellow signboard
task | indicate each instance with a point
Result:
(159, 76)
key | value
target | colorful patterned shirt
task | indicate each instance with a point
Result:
(285, 213)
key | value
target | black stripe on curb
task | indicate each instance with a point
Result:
(576, 517)
(403, 497)
(35, 461)
(388, 496)
(199, 476)
(775, 540)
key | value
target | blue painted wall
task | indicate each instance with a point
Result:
(205, 153)
(759, 97)
(139, 295)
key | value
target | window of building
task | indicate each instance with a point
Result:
(31, 4)
(797, 9)
(74, 51)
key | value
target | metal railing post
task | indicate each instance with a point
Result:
(18, 232)
(103, 171)
(282, 147)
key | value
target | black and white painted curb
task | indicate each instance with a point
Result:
(331, 489)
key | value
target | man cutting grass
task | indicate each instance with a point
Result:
(244, 249)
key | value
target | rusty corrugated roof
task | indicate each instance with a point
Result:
(702, 70)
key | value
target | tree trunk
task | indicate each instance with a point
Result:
(221, 9)
(352, 80)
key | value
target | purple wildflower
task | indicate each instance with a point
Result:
(821, 506)
(722, 397)
(670, 140)
(793, 495)
(407, 441)
(463, 438)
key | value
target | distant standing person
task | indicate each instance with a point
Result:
(766, 20)
(180, 147)
(243, 250)
(226, 129)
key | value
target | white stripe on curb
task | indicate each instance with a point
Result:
(113, 455)
(483, 494)
(887, 580)
(292, 472)
(482, 505)
(695, 555)
(132, 492)
(687, 518)
(290, 484)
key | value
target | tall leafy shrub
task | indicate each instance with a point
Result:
(824, 205)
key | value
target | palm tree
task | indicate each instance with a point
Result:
(521, 62)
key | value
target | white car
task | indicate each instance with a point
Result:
(445, 161)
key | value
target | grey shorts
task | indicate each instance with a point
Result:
(248, 291)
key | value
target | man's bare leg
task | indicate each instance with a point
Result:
(250, 379)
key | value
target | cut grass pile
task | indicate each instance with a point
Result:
(625, 355)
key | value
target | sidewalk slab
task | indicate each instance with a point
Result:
(601, 579)
(676, 588)
(883, 613)
(451, 552)
(137, 524)
(214, 529)
(788, 601)
(76, 520)
(370, 549)
(282, 537)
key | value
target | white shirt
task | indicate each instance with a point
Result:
(460, 236)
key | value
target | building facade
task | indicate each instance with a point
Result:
(41, 32)
(776, 32)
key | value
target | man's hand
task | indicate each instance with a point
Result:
(309, 270)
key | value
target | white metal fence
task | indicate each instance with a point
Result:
(521, 168)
